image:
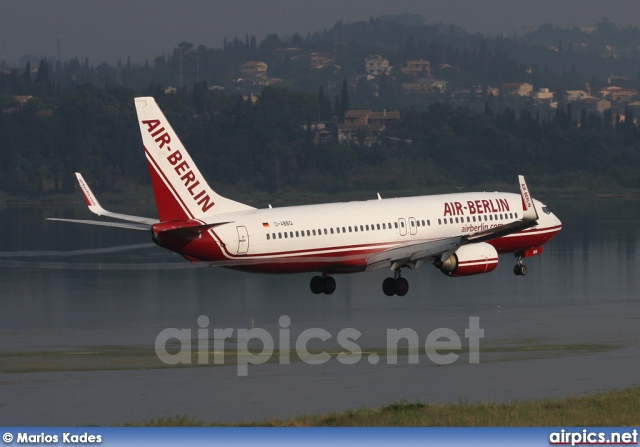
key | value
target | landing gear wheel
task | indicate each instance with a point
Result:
(329, 285)
(402, 286)
(389, 286)
(520, 269)
(317, 285)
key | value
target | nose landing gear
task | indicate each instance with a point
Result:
(520, 269)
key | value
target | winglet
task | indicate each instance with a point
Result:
(528, 206)
(89, 197)
(96, 208)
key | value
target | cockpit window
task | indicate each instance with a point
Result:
(546, 210)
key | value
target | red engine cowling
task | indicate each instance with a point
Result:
(471, 259)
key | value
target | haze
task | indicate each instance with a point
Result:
(105, 30)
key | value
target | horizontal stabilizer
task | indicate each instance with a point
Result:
(126, 226)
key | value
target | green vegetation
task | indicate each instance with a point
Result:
(264, 147)
(81, 116)
(613, 408)
(96, 358)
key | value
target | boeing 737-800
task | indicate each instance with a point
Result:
(461, 234)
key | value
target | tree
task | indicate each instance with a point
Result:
(344, 100)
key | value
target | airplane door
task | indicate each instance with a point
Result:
(402, 225)
(243, 240)
(413, 229)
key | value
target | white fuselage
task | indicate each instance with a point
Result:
(339, 237)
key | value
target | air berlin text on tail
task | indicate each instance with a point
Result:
(162, 137)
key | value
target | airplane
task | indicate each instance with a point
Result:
(461, 234)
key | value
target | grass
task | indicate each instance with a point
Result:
(613, 408)
(102, 358)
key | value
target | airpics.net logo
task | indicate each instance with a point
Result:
(256, 346)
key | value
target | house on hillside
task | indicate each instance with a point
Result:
(575, 95)
(365, 127)
(543, 96)
(424, 85)
(418, 67)
(517, 89)
(377, 65)
(254, 70)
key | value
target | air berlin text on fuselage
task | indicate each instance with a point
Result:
(476, 207)
(182, 168)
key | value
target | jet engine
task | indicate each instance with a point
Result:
(470, 259)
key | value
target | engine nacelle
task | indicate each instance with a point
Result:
(470, 259)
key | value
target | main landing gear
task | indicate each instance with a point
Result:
(520, 269)
(396, 285)
(323, 284)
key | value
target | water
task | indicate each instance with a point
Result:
(70, 288)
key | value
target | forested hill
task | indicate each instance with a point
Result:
(80, 116)
(265, 146)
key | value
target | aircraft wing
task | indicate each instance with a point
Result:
(414, 253)
(137, 223)
(417, 253)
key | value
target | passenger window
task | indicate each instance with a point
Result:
(338, 230)
(308, 233)
(268, 236)
(297, 234)
(285, 234)
(302, 233)
(291, 233)
(325, 231)
(384, 226)
(378, 225)
(344, 230)
(314, 232)
(439, 222)
(428, 222)
(516, 214)
(355, 228)
(367, 227)
(331, 229)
